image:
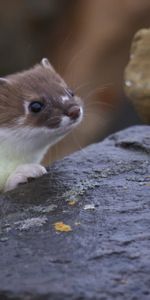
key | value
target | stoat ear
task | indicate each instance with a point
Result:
(4, 80)
(46, 64)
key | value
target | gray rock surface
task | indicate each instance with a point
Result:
(103, 194)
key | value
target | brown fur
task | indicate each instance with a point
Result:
(37, 84)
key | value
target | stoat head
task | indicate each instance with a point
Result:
(38, 98)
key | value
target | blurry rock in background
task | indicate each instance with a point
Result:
(137, 74)
(88, 42)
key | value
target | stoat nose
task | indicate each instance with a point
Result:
(74, 112)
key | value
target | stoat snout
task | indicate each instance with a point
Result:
(74, 112)
(37, 109)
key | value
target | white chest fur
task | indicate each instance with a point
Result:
(23, 146)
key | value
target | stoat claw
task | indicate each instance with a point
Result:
(22, 173)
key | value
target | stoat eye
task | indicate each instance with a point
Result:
(36, 106)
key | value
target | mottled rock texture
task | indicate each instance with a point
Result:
(103, 194)
(137, 74)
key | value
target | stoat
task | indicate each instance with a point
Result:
(37, 109)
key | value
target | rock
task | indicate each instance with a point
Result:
(53, 247)
(137, 74)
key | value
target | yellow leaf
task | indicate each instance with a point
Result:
(72, 202)
(60, 226)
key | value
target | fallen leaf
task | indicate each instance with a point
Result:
(72, 202)
(60, 226)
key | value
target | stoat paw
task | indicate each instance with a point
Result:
(22, 173)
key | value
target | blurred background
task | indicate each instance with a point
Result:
(88, 42)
